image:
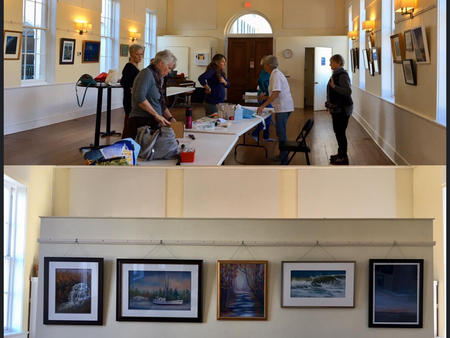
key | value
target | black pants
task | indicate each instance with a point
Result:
(340, 123)
(136, 122)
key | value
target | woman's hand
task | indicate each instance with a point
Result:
(260, 110)
(207, 90)
(331, 83)
(222, 80)
(262, 97)
(162, 121)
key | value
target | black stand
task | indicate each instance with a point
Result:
(250, 145)
(109, 132)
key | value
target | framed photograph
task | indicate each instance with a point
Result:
(375, 60)
(370, 41)
(242, 290)
(159, 290)
(12, 42)
(408, 72)
(73, 291)
(91, 51)
(356, 57)
(318, 284)
(371, 70)
(396, 293)
(366, 58)
(408, 40)
(352, 59)
(420, 44)
(123, 50)
(67, 51)
(398, 48)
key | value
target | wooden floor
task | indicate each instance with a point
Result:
(58, 144)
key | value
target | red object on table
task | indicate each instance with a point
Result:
(187, 156)
(101, 77)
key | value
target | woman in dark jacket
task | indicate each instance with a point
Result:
(340, 106)
(214, 81)
(129, 73)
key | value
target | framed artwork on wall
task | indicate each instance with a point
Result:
(12, 42)
(396, 293)
(371, 70)
(352, 60)
(73, 291)
(356, 57)
(375, 60)
(398, 48)
(318, 284)
(123, 50)
(91, 51)
(366, 58)
(159, 290)
(408, 40)
(242, 290)
(420, 44)
(67, 51)
(408, 72)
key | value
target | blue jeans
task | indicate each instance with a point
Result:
(281, 121)
(259, 127)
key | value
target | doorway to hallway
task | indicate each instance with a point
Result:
(317, 74)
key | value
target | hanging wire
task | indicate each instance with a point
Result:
(395, 244)
(317, 244)
(240, 246)
(169, 250)
(76, 242)
(151, 251)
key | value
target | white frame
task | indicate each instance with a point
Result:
(347, 301)
(424, 54)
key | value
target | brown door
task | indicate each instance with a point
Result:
(244, 57)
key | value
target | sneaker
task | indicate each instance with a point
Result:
(333, 157)
(269, 140)
(254, 137)
(340, 161)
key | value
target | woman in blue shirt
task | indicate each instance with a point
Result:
(214, 81)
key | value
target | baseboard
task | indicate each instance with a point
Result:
(387, 149)
(47, 121)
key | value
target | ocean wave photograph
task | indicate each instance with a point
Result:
(318, 284)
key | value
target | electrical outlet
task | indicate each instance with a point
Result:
(78, 53)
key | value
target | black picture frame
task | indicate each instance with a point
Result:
(67, 51)
(409, 72)
(140, 282)
(371, 70)
(352, 59)
(366, 58)
(356, 57)
(375, 60)
(73, 291)
(91, 51)
(396, 293)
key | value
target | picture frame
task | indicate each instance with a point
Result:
(67, 51)
(371, 69)
(408, 40)
(356, 57)
(366, 58)
(409, 72)
(420, 44)
(375, 60)
(242, 290)
(73, 291)
(397, 47)
(159, 290)
(123, 50)
(91, 51)
(396, 293)
(318, 284)
(12, 43)
(352, 58)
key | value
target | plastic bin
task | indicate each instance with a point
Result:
(187, 156)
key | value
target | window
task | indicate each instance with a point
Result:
(14, 215)
(441, 114)
(350, 28)
(107, 35)
(251, 24)
(34, 39)
(150, 37)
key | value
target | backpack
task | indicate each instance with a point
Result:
(159, 144)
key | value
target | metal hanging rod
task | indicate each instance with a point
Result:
(226, 243)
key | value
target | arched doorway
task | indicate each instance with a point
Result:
(248, 37)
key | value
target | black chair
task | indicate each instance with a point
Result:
(299, 145)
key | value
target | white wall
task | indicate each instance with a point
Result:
(282, 322)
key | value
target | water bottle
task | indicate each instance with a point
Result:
(189, 117)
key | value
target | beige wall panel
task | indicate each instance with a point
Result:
(162, 14)
(318, 322)
(369, 191)
(140, 10)
(220, 193)
(204, 17)
(404, 192)
(12, 21)
(76, 3)
(152, 5)
(12, 12)
(61, 192)
(127, 10)
(309, 14)
(139, 194)
(93, 5)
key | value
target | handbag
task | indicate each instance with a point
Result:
(85, 80)
(159, 144)
(112, 77)
(101, 77)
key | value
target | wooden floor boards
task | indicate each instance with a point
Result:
(58, 144)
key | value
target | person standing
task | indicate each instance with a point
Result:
(340, 106)
(148, 100)
(281, 99)
(214, 81)
(129, 73)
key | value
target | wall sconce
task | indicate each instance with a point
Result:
(83, 27)
(368, 26)
(134, 36)
(353, 35)
(405, 7)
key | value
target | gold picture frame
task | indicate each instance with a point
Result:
(397, 47)
(12, 43)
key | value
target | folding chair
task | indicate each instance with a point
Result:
(299, 145)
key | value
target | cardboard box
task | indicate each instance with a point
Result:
(178, 128)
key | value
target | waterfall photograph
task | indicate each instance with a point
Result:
(73, 290)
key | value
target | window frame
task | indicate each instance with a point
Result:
(150, 36)
(107, 36)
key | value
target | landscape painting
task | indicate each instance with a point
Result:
(396, 292)
(242, 290)
(159, 290)
(318, 284)
(73, 290)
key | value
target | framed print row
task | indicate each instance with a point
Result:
(414, 39)
(169, 290)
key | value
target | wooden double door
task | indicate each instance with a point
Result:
(244, 58)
